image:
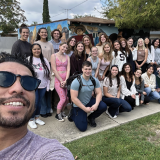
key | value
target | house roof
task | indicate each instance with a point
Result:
(90, 19)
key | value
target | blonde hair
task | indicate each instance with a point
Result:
(86, 36)
(137, 47)
(110, 52)
(92, 48)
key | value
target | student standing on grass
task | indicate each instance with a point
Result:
(17, 103)
(56, 36)
(150, 83)
(61, 67)
(158, 80)
(150, 48)
(119, 57)
(88, 45)
(77, 58)
(42, 68)
(71, 44)
(128, 90)
(83, 102)
(103, 38)
(111, 90)
(139, 84)
(142, 55)
(105, 61)
(94, 59)
(47, 51)
(22, 46)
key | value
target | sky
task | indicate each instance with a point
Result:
(34, 8)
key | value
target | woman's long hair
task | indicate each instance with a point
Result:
(140, 79)
(46, 69)
(154, 41)
(38, 36)
(116, 51)
(76, 52)
(138, 45)
(117, 76)
(149, 44)
(100, 42)
(110, 52)
(123, 73)
(90, 44)
(126, 49)
(70, 48)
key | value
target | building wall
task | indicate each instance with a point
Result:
(61, 25)
(6, 43)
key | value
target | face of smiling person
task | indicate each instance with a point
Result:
(43, 34)
(16, 103)
(117, 45)
(86, 41)
(36, 50)
(24, 34)
(123, 43)
(87, 71)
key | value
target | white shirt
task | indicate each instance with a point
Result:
(119, 60)
(150, 81)
(151, 55)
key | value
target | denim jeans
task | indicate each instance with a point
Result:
(46, 103)
(39, 95)
(152, 95)
(115, 103)
(80, 117)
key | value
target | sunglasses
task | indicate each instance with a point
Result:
(29, 83)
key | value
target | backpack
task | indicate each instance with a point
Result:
(78, 76)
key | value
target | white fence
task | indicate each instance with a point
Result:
(6, 43)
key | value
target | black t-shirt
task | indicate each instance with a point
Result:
(22, 47)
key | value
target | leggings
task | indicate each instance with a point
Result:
(62, 92)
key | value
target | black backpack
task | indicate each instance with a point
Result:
(78, 76)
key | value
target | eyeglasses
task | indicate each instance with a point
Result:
(29, 83)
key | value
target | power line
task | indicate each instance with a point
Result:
(79, 4)
(66, 10)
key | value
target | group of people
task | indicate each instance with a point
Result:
(109, 74)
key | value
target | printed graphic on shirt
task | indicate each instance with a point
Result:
(38, 66)
(122, 57)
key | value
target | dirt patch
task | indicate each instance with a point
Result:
(156, 138)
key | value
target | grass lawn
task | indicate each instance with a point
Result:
(137, 140)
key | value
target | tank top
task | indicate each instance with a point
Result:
(61, 66)
(104, 64)
(129, 84)
(94, 65)
(140, 55)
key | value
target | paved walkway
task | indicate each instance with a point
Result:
(66, 131)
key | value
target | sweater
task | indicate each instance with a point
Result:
(119, 60)
(76, 65)
(55, 45)
(157, 55)
(150, 81)
(47, 49)
(22, 47)
(151, 55)
(140, 89)
(124, 90)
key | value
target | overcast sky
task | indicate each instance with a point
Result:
(34, 8)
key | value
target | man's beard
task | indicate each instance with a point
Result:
(14, 121)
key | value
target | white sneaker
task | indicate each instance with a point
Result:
(32, 124)
(64, 115)
(110, 115)
(40, 122)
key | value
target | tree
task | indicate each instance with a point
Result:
(133, 14)
(11, 15)
(34, 23)
(45, 14)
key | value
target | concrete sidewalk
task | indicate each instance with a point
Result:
(66, 131)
